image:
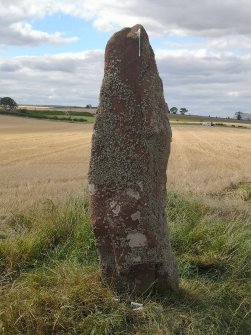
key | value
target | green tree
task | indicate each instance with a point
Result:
(238, 115)
(183, 111)
(8, 104)
(174, 110)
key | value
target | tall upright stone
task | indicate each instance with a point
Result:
(127, 175)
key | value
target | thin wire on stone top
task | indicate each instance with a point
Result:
(138, 35)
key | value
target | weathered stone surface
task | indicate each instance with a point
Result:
(127, 175)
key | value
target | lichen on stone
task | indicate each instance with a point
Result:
(127, 174)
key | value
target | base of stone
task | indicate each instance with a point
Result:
(142, 279)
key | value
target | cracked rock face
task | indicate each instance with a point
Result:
(127, 174)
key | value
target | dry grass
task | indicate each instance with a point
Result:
(46, 159)
(49, 283)
(63, 109)
(41, 159)
(209, 159)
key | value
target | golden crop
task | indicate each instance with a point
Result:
(45, 159)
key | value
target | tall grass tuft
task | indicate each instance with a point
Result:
(50, 282)
(48, 233)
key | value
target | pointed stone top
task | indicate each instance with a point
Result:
(129, 33)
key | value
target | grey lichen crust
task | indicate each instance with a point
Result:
(127, 175)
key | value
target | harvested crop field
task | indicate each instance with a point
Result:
(47, 159)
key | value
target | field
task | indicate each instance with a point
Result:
(49, 159)
(60, 114)
(87, 115)
(49, 275)
(41, 159)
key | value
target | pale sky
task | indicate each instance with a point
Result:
(52, 51)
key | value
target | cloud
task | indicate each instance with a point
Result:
(59, 79)
(16, 30)
(207, 18)
(22, 34)
(209, 74)
(165, 17)
(205, 84)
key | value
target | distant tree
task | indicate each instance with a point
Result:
(183, 111)
(174, 110)
(238, 115)
(8, 104)
(88, 106)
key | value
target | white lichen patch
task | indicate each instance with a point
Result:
(133, 194)
(136, 216)
(92, 189)
(116, 210)
(136, 259)
(140, 183)
(137, 240)
(113, 204)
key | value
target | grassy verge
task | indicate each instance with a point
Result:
(80, 116)
(203, 118)
(50, 280)
(53, 115)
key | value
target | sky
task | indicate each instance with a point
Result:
(52, 51)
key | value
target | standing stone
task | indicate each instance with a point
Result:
(127, 175)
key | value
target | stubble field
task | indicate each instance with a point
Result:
(49, 274)
(46, 159)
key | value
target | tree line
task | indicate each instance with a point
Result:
(8, 104)
(174, 110)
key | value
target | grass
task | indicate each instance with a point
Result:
(198, 119)
(50, 282)
(72, 116)
(78, 115)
